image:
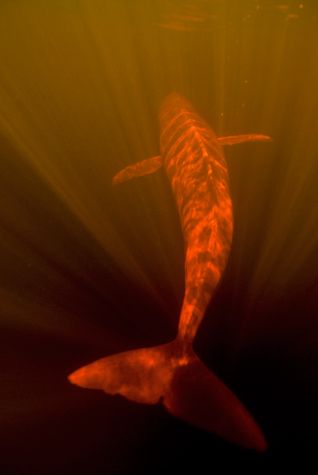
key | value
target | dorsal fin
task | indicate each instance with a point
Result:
(145, 167)
(234, 139)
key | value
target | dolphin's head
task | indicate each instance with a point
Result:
(171, 104)
(172, 114)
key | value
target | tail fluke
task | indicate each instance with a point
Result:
(199, 397)
(142, 375)
(186, 387)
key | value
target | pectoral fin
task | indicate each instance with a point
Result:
(145, 167)
(234, 139)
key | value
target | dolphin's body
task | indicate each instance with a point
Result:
(193, 159)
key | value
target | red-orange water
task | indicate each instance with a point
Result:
(89, 270)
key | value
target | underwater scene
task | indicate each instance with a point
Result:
(158, 236)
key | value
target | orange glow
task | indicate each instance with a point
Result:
(193, 159)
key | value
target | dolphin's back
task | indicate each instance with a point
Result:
(197, 170)
(194, 162)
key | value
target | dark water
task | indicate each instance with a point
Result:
(88, 270)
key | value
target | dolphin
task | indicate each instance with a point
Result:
(172, 374)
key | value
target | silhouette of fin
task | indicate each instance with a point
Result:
(187, 388)
(234, 139)
(145, 167)
(200, 398)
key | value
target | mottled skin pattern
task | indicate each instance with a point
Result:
(197, 170)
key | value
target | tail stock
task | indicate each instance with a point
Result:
(186, 387)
